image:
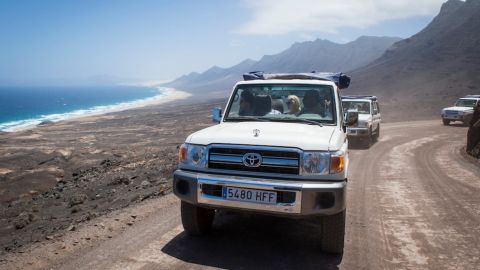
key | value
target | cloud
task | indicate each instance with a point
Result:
(277, 17)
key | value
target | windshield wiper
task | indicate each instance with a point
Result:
(312, 122)
(252, 118)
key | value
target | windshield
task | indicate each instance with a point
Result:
(275, 102)
(466, 103)
(362, 107)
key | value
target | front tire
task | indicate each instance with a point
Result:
(446, 122)
(333, 233)
(377, 134)
(369, 139)
(196, 220)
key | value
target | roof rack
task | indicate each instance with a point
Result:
(472, 96)
(374, 98)
(340, 79)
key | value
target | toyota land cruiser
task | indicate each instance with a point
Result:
(280, 148)
(367, 129)
(461, 111)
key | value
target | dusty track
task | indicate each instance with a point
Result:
(413, 203)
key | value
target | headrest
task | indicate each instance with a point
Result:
(277, 104)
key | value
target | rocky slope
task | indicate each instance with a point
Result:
(418, 76)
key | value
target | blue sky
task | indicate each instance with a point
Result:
(48, 42)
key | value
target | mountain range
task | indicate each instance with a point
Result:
(414, 78)
(318, 55)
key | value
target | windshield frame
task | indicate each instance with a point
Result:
(370, 104)
(332, 122)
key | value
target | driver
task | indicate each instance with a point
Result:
(246, 103)
(312, 103)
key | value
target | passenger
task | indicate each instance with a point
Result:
(365, 108)
(293, 104)
(246, 103)
(312, 103)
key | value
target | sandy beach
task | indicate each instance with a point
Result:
(58, 175)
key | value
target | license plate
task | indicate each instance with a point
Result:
(352, 131)
(249, 195)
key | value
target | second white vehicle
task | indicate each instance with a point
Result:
(367, 129)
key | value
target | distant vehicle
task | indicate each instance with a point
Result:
(280, 148)
(461, 111)
(367, 129)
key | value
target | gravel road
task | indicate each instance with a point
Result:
(413, 203)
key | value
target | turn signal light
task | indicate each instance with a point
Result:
(337, 163)
(182, 153)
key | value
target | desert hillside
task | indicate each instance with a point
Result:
(418, 76)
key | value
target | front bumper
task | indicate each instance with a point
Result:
(454, 117)
(358, 132)
(297, 198)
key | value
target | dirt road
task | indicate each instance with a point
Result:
(413, 203)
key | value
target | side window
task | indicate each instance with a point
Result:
(375, 108)
(378, 107)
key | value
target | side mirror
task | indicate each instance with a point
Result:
(351, 118)
(216, 115)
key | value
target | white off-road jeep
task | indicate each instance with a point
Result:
(461, 111)
(367, 129)
(280, 148)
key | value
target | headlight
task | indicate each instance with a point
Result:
(192, 155)
(323, 163)
(316, 163)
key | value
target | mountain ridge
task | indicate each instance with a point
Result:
(418, 76)
(319, 55)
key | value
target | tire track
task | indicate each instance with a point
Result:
(412, 204)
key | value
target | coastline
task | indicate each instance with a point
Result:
(165, 95)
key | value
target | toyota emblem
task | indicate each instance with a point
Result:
(252, 160)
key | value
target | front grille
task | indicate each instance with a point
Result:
(451, 112)
(273, 161)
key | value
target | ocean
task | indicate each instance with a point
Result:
(26, 107)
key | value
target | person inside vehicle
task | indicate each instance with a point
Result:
(293, 104)
(246, 103)
(313, 104)
(365, 108)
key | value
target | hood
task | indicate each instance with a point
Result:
(460, 109)
(298, 135)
